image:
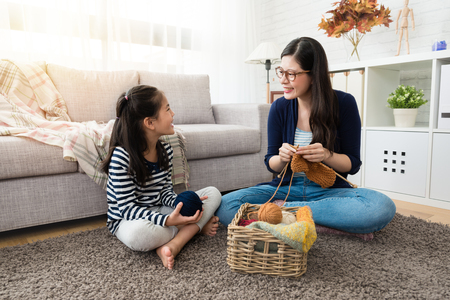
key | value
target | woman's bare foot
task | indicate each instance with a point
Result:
(211, 227)
(165, 253)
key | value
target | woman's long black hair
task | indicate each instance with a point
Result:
(324, 118)
(132, 108)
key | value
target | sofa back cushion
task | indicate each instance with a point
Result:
(91, 95)
(188, 95)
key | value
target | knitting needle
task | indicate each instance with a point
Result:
(352, 184)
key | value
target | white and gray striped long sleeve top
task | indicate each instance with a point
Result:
(128, 201)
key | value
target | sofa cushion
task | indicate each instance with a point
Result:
(188, 95)
(217, 140)
(25, 157)
(91, 95)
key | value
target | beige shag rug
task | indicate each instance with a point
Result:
(409, 259)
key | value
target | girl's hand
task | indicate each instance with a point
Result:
(314, 153)
(286, 152)
(175, 218)
(203, 198)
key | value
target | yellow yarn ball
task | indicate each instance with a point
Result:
(304, 214)
(288, 218)
(270, 213)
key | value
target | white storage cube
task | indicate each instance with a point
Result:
(444, 98)
(440, 167)
(397, 161)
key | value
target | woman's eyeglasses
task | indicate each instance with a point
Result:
(290, 76)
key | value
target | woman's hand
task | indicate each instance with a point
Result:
(175, 218)
(314, 153)
(286, 152)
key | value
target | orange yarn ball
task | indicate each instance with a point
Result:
(270, 213)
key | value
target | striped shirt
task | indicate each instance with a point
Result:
(301, 138)
(129, 201)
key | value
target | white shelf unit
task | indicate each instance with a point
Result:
(409, 164)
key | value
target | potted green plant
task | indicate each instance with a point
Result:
(405, 101)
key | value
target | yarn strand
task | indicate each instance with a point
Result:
(284, 171)
(289, 190)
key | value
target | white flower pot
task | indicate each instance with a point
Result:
(405, 117)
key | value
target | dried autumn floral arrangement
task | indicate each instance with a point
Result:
(355, 14)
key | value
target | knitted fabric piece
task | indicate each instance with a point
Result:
(299, 164)
(300, 235)
(314, 171)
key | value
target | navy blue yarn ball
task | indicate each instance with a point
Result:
(191, 203)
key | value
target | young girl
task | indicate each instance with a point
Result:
(326, 125)
(140, 195)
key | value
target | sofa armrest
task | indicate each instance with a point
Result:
(246, 114)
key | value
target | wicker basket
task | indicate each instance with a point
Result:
(257, 251)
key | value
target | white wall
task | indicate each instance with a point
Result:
(283, 20)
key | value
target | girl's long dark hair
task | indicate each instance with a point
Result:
(324, 118)
(132, 108)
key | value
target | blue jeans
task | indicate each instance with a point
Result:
(348, 209)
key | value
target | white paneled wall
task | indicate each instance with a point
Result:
(419, 79)
(353, 83)
(283, 20)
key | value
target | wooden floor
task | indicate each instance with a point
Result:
(29, 235)
(39, 233)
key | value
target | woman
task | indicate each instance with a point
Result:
(327, 127)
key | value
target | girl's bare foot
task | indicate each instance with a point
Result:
(211, 227)
(165, 253)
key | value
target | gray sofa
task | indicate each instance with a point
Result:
(225, 146)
